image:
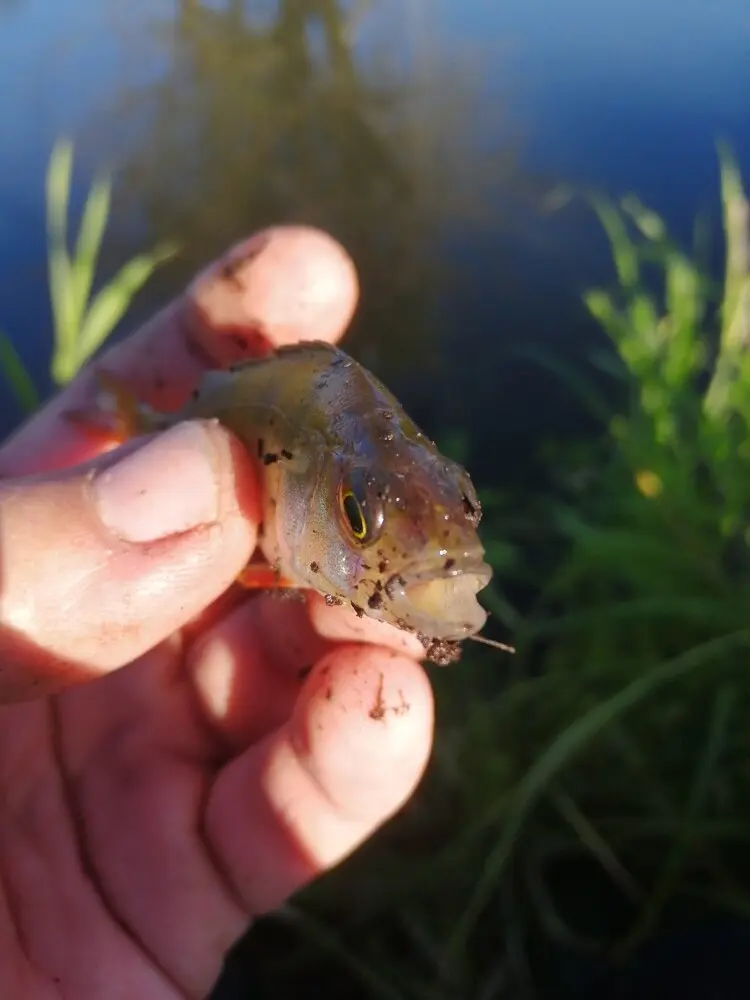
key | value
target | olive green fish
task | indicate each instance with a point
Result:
(358, 504)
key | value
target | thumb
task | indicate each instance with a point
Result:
(101, 562)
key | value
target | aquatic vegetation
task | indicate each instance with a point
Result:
(657, 573)
(17, 376)
(82, 318)
(626, 745)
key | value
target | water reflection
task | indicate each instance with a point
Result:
(266, 113)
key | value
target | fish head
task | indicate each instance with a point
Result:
(404, 546)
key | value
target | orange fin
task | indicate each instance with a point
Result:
(261, 576)
(114, 413)
(96, 425)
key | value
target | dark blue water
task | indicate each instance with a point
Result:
(625, 96)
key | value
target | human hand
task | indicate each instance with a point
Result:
(170, 766)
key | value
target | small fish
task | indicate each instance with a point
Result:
(358, 504)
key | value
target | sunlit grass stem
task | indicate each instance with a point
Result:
(83, 322)
(81, 319)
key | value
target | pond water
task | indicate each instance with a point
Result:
(429, 135)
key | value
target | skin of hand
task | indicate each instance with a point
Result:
(177, 758)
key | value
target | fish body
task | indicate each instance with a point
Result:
(358, 503)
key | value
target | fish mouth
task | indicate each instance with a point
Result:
(440, 601)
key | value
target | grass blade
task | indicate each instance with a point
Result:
(648, 222)
(624, 253)
(17, 375)
(328, 940)
(737, 228)
(596, 845)
(90, 235)
(687, 833)
(570, 376)
(61, 289)
(113, 301)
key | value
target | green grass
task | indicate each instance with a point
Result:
(82, 319)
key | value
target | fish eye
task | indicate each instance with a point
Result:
(354, 514)
(362, 515)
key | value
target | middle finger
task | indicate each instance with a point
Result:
(248, 669)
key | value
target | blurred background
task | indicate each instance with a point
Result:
(454, 146)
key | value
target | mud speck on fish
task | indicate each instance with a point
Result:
(441, 652)
(375, 601)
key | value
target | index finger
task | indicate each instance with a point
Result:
(282, 285)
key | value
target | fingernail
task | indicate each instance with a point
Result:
(166, 487)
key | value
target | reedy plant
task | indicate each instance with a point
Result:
(82, 319)
(639, 733)
(666, 517)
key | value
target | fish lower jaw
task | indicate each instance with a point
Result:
(443, 607)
